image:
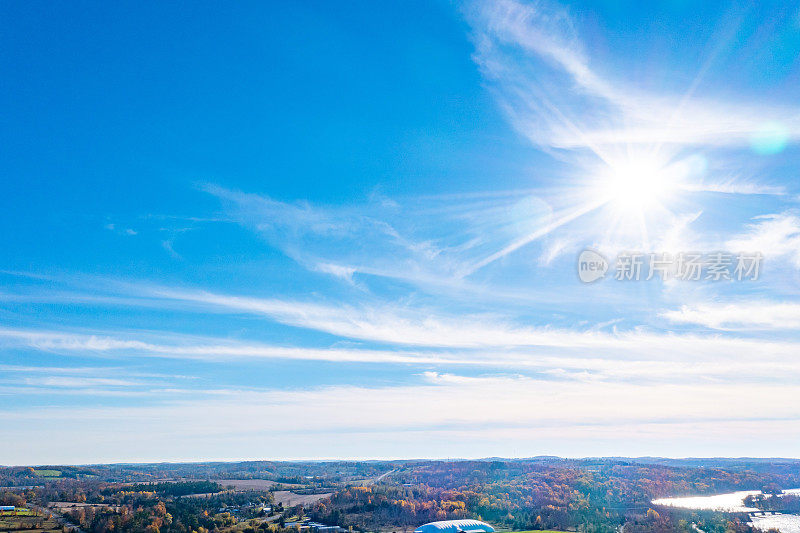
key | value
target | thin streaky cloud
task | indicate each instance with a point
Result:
(776, 236)
(546, 30)
(748, 316)
(456, 343)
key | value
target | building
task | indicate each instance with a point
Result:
(455, 526)
(316, 527)
(10, 510)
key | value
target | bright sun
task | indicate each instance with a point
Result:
(636, 183)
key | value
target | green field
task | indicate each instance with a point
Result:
(47, 473)
(29, 524)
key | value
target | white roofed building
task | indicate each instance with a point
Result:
(455, 526)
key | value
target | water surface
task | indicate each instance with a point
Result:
(733, 502)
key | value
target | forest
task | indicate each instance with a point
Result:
(591, 495)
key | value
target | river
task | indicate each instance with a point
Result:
(733, 502)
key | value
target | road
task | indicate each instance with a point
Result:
(383, 475)
(58, 518)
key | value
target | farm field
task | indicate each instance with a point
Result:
(289, 499)
(47, 473)
(252, 484)
(28, 524)
(64, 506)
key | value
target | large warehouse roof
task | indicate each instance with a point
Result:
(454, 526)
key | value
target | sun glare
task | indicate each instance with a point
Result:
(635, 183)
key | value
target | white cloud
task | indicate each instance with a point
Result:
(632, 356)
(776, 236)
(428, 242)
(438, 378)
(339, 271)
(733, 187)
(383, 323)
(192, 347)
(750, 315)
(593, 111)
(406, 326)
(79, 382)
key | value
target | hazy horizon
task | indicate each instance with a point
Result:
(412, 459)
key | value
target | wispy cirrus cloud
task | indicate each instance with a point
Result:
(176, 346)
(407, 326)
(562, 101)
(556, 93)
(75, 382)
(433, 241)
(53, 383)
(546, 80)
(752, 315)
(623, 358)
(398, 326)
(733, 187)
(777, 236)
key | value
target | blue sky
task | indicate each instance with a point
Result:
(308, 230)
